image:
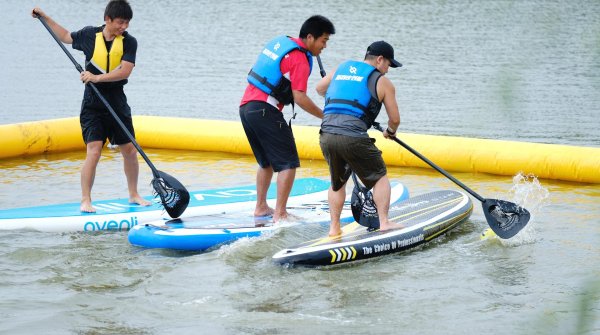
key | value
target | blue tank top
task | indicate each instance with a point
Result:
(353, 92)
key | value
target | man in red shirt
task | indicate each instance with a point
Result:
(280, 77)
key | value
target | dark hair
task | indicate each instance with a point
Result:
(316, 25)
(118, 9)
(368, 56)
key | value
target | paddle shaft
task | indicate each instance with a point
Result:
(416, 153)
(321, 69)
(112, 112)
(433, 165)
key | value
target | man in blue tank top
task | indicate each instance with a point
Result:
(354, 94)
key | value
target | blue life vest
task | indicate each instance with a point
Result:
(266, 72)
(352, 91)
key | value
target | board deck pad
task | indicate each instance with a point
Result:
(220, 221)
(119, 214)
(425, 217)
(204, 232)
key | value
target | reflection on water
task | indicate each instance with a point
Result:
(510, 268)
(55, 177)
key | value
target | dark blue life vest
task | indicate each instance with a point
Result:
(266, 73)
(353, 91)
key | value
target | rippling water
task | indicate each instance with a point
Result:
(515, 70)
(524, 70)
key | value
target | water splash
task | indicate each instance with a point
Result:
(527, 192)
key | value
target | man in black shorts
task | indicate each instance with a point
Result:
(109, 57)
(354, 94)
(278, 78)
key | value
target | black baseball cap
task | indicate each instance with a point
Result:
(382, 48)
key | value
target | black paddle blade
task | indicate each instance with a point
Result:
(173, 195)
(505, 218)
(363, 207)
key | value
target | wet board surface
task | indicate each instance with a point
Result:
(203, 232)
(425, 216)
(119, 214)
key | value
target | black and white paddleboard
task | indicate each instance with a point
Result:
(426, 217)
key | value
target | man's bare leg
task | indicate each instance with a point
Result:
(336, 204)
(88, 173)
(263, 180)
(285, 181)
(381, 195)
(132, 171)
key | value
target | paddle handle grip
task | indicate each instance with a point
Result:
(110, 109)
(432, 164)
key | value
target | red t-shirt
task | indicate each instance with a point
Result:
(293, 66)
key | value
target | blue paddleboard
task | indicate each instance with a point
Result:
(119, 214)
(207, 231)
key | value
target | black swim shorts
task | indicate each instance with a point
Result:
(98, 124)
(345, 154)
(269, 135)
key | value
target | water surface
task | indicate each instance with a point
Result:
(511, 70)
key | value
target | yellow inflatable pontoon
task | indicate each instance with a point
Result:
(459, 154)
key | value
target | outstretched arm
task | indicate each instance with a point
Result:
(323, 84)
(302, 100)
(62, 34)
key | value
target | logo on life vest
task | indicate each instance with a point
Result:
(352, 77)
(270, 54)
(347, 77)
(276, 47)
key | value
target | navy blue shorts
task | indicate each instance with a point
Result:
(270, 137)
(97, 123)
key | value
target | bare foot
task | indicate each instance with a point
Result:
(335, 229)
(335, 233)
(277, 217)
(139, 200)
(268, 211)
(285, 217)
(391, 226)
(86, 207)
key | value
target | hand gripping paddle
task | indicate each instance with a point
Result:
(505, 218)
(173, 195)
